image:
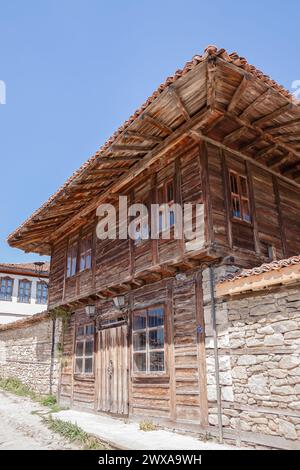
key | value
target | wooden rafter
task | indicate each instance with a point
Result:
(279, 160)
(157, 123)
(142, 136)
(273, 115)
(114, 159)
(238, 94)
(261, 154)
(130, 148)
(235, 135)
(284, 125)
(252, 106)
(174, 93)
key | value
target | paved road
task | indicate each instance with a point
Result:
(20, 429)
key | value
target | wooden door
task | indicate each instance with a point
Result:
(112, 370)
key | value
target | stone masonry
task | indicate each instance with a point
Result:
(25, 353)
(259, 363)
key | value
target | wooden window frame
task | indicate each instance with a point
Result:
(166, 200)
(148, 373)
(85, 253)
(240, 197)
(41, 283)
(19, 291)
(72, 259)
(84, 339)
(7, 278)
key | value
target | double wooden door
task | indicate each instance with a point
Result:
(112, 370)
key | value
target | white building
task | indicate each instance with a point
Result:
(23, 290)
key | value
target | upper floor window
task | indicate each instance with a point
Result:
(24, 291)
(240, 207)
(148, 339)
(165, 195)
(72, 259)
(86, 252)
(6, 288)
(42, 293)
(84, 349)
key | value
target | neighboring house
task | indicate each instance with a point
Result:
(23, 290)
(146, 337)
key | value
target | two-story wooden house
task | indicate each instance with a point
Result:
(218, 133)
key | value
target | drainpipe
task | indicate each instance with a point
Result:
(52, 355)
(216, 356)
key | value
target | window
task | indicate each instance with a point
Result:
(240, 207)
(24, 291)
(42, 293)
(84, 349)
(72, 259)
(86, 253)
(142, 224)
(148, 340)
(6, 288)
(165, 195)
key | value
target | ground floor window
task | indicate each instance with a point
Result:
(148, 340)
(84, 349)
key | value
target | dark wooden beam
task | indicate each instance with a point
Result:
(130, 148)
(114, 159)
(283, 125)
(238, 94)
(211, 83)
(235, 135)
(174, 93)
(273, 115)
(157, 123)
(142, 136)
(252, 106)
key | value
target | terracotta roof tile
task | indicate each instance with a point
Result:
(21, 267)
(273, 266)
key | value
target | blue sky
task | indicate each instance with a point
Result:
(76, 69)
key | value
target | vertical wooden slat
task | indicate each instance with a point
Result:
(226, 186)
(252, 207)
(203, 156)
(171, 349)
(280, 216)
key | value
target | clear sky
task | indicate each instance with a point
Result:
(76, 69)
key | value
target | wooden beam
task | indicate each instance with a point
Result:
(142, 136)
(250, 145)
(235, 135)
(114, 159)
(252, 106)
(279, 160)
(261, 154)
(130, 148)
(157, 123)
(174, 93)
(238, 94)
(283, 125)
(273, 115)
(211, 82)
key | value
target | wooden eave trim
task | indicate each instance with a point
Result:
(283, 276)
(24, 272)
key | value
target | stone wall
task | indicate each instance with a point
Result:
(25, 353)
(259, 359)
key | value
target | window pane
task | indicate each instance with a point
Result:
(139, 362)
(244, 188)
(79, 349)
(156, 339)
(139, 321)
(89, 330)
(88, 369)
(79, 364)
(89, 348)
(80, 331)
(139, 341)
(157, 361)
(246, 212)
(233, 183)
(236, 208)
(155, 317)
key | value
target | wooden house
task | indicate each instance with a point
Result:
(218, 133)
